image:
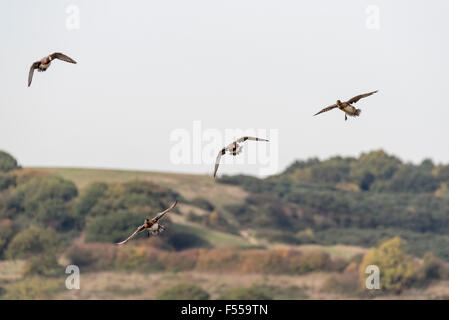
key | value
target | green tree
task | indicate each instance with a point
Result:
(7, 162)
(6, 234)
(32, 241)
(433, 268)
(45, 264)
(6, 181)
(427, 165)
(47, 201)
(375, 165)
(183, 292)
(442, 173)
(100, 199)
(186, 240)
(91, 197)
(397, 270)
(114, 227)
(411, 179)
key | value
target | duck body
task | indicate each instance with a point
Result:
(153, 227)
(234, 148)
(349, 109)
(44, 64)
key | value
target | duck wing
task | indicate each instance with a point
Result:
(30, 74)
(242, 139)
(61, 56)
(326, 109)
(217, 161)
(160, 215)
(361, 96)
(138, 230)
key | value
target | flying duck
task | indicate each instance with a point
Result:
(151, 225)
(43, 64)
(233, 149)
(347, 106)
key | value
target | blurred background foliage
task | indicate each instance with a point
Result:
(395, 214)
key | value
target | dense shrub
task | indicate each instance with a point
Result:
(185, 240)
(93, 256)
(434, 268)
(442, 173)
(90, 198)
(98, 256)
(7, 180)
(265, 211)
(218, 260)
(6, 234)
(183, 292)
(203, 204)
(410, 179)
(274, 261)
(345, 283)
(11, 204)
(32, 241)
(214, 220)
(306, 236)
(47, 201)
(397, 270)
(179, 261)
(310, 261)
(100, 199)
(132, 258)
(416, 244)
(7, 162)
(45, 264)
(114, 227)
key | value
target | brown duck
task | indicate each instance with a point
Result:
(42, 65)
(151, 225)
(347, 106)
(234, 149)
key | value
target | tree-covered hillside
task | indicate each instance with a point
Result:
(331, 217)
(357, 201)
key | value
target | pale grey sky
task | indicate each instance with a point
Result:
(147, 68)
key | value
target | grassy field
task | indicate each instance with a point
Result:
(204, 186)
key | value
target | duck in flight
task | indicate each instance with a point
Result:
(151, 225)
(43, 64)
(347, 106)
(234, 149)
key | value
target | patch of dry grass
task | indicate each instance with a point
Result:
(110, 285)
(11, 269)
(335, 251)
